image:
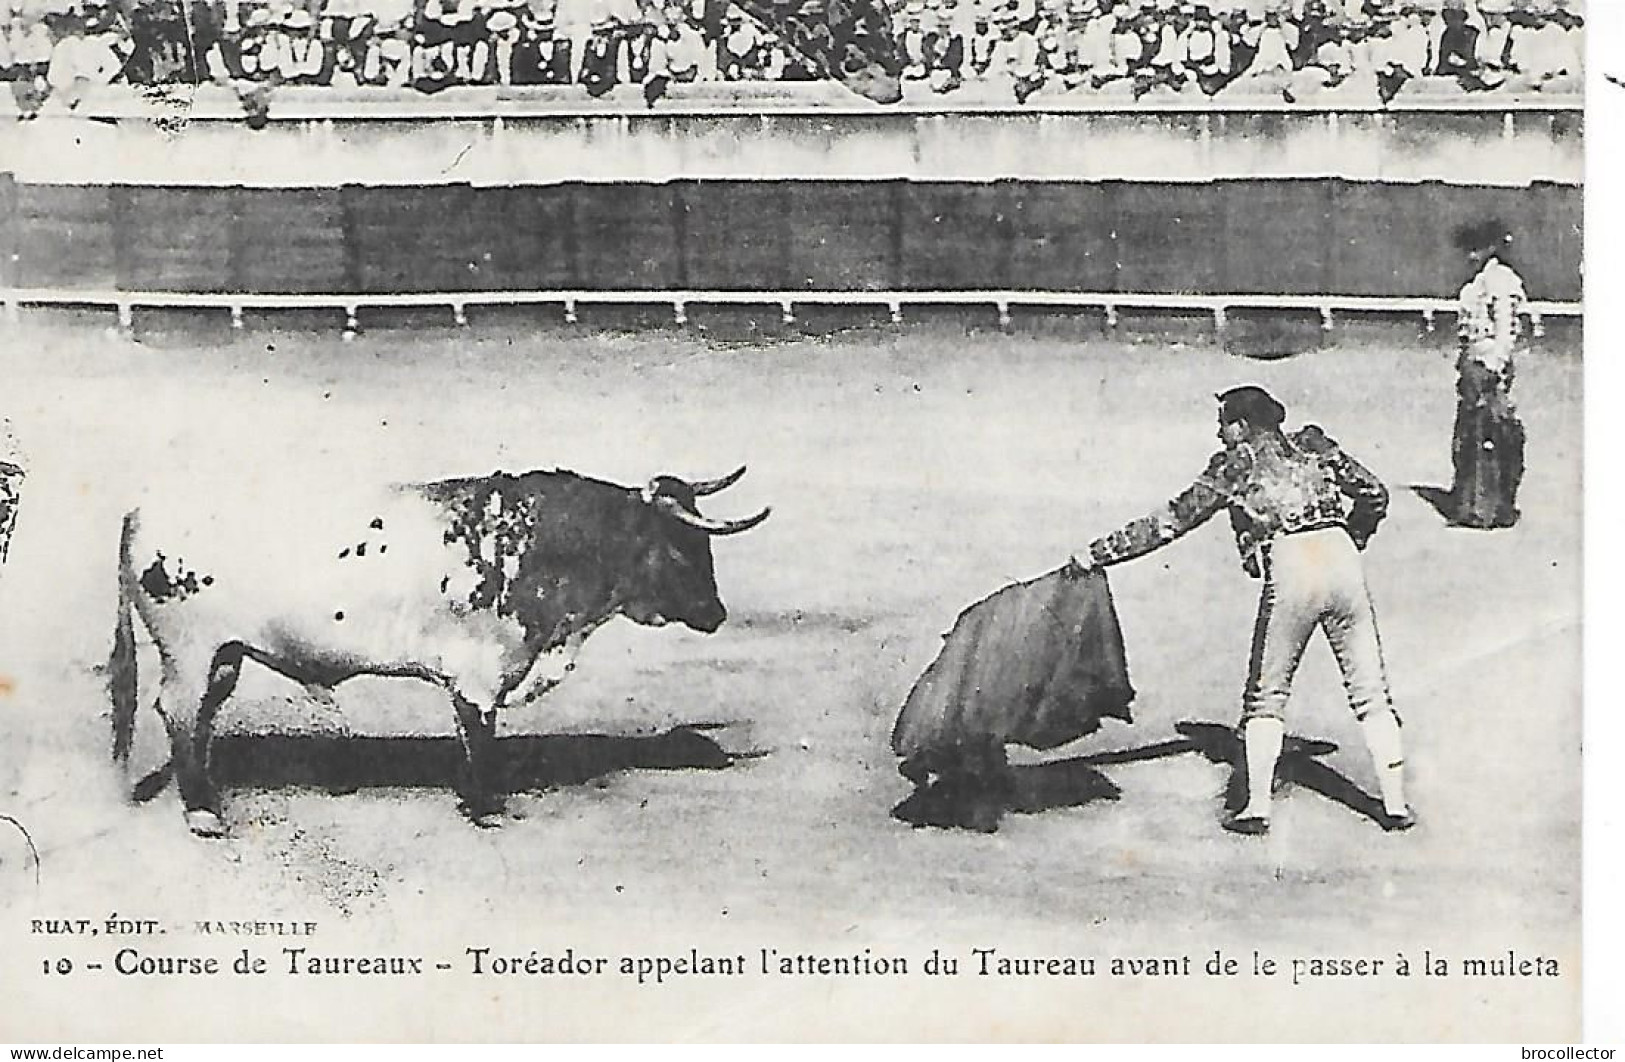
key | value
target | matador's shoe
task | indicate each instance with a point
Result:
(1251, 825)
(1397, 823)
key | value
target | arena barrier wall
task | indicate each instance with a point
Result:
(1254, 237)
(1506, 144)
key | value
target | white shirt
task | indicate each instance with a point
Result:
(1095, 43)
(1489, 314)
(742, 39)
(303, 57)
(11, 451)
(1410, 48)
(89, 59)
(389, 11)
(471, 61)
(12, 471)
(64, 67)
(1054, 54)
(215, 63)
(1333, 56)
(1492, 43)
(32, 46)
(911, 42)
(388, 60)
(1021, 54)
(1576, 48)
(774, 62)
(688, 51)
(106, 56)
(1127, 48)
(982, 49)
(1169, 48)
(659, 58)
(572, 14)
(1274, 53)
(1207, 48)
(432, 61)
(1544, 52)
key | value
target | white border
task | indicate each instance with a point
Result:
(1605, 795)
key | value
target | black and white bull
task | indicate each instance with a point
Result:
(485, 587)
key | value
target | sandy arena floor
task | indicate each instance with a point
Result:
(911, 471)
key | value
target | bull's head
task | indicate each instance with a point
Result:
(678, 581)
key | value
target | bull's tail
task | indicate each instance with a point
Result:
(121, 677)
(122, 688)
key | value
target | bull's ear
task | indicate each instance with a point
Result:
(650, 491)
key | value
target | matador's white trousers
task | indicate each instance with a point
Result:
(1314, 580)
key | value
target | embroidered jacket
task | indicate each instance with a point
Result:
(1490, 315)
(12, 472)
(1272, 488)
(12, 462)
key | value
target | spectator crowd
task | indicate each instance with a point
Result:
(982, 50)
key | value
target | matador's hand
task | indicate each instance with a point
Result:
(1076, 569)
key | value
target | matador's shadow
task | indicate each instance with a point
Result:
(1299, 765)
(1078, 781)
(1441, 499)
(342, 764)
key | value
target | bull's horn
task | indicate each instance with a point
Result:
(705, 523)
(711, 486)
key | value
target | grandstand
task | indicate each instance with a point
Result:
(89, 55)
(998, 154)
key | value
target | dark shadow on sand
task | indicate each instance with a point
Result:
(1041, 787)
(347, 764)
(977, 801)
(1299, 765)
(1074, 782)
(1440, 499)
(1444, 503)
(1028, 789)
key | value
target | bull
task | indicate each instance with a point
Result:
(484, 587)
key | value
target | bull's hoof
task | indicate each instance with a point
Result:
(205, 823)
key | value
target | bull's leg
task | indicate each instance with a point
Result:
(477, 729)
(190, 698)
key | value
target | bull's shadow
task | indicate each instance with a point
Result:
(521, 763)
